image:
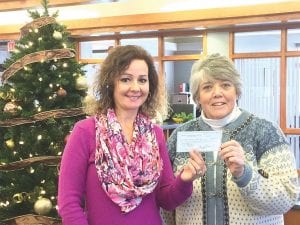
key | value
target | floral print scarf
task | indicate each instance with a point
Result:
(127, 172)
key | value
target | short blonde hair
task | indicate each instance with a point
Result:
(213, 67)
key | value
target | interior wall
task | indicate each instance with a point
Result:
(218, 42)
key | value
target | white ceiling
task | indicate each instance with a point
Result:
(105, 8)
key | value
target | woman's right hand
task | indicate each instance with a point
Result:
(195, 167)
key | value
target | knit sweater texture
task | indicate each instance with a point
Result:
(267, 189)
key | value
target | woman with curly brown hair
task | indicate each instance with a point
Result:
(116, 161)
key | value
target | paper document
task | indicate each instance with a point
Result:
(203, 141)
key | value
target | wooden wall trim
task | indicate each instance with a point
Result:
(291, 131)
(210, 18)
(283, 78)
(181, 57)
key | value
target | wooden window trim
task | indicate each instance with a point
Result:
(283, 54)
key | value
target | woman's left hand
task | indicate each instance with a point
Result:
(195, 167)
(233, 155)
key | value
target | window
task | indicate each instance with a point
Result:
(183, 45)
(259, 41)
(293, 93)
(293, 40)
(269, 72)
(260, 89)
(149, 44)
(95, 49)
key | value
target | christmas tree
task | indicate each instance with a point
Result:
(40, 100)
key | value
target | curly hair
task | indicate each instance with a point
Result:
(117, 61)
(214, 67)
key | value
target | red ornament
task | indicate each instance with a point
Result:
(61, 92)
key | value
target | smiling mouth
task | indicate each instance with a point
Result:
(218, 104)
(134, 97)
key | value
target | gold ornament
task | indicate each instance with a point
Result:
(42, 206)
(20, 197)
(10, 143)
(2, 96)
(11, 107)
(81, 83)
(61, 92)
(57, 35)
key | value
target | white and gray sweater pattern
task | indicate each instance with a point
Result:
(268, 188)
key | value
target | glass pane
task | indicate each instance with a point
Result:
(91, 71)
(177, 73)
(261, 88)
(95, 49)
(183, 45)
(149, 44)
(294, 141)
(293, 40)
(293, 92)
(4, 54)
(259, 41)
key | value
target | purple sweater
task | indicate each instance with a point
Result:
(79, 184)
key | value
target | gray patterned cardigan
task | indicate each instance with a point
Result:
(268, 188)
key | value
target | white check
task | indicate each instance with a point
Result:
(204, 141)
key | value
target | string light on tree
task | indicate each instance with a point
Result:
(31, 170)
(53, 67)
(36, 103)
(57, 35)
(4, 204)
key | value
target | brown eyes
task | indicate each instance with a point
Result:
(127, 79)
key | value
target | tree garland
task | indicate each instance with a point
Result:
(57, 113)
(46, 160)
(36, 57)
(37, 23)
